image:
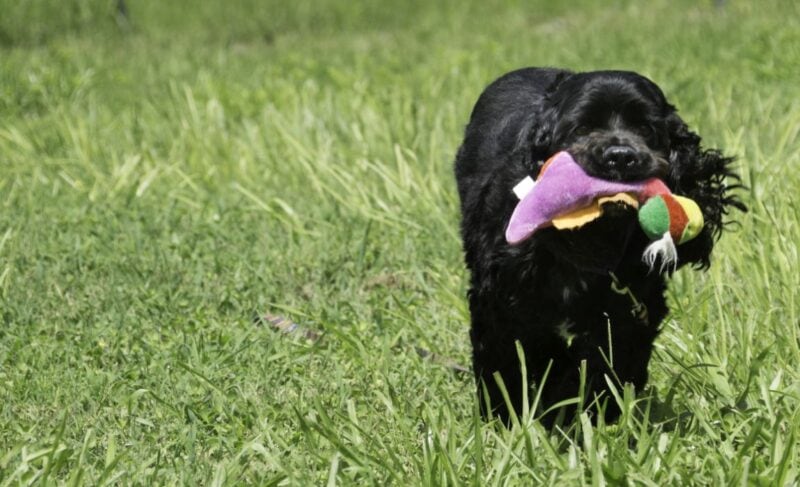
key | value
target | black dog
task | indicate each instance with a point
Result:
(575, 295)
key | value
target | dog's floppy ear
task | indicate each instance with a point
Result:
(536, 136)
(702, 175)
(534, 140)
(542, 136)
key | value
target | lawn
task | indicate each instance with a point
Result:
(168, 175)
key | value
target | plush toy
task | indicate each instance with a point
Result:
(566, 197)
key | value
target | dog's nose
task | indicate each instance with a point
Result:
(620, 157)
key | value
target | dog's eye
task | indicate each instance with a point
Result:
(581, 130)
(645, 130)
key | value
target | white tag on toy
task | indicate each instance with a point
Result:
(524, 187)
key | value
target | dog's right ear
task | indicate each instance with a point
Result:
(536, 137)
(535, 141)
(542, 135)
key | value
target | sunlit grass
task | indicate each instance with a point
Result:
(167, 178)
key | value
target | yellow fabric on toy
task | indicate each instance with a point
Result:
(582, 216)
(578, 218)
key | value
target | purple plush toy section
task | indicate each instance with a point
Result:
(563, 187)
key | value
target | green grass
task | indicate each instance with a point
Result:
(165, 178)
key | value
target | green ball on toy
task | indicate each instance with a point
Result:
(676, 215)
(668, 219)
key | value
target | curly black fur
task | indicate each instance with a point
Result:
(552, 292)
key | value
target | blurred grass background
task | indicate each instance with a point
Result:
(168, 174)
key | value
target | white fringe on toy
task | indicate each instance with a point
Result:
(662, 250)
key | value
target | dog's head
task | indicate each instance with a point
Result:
(618, 125)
